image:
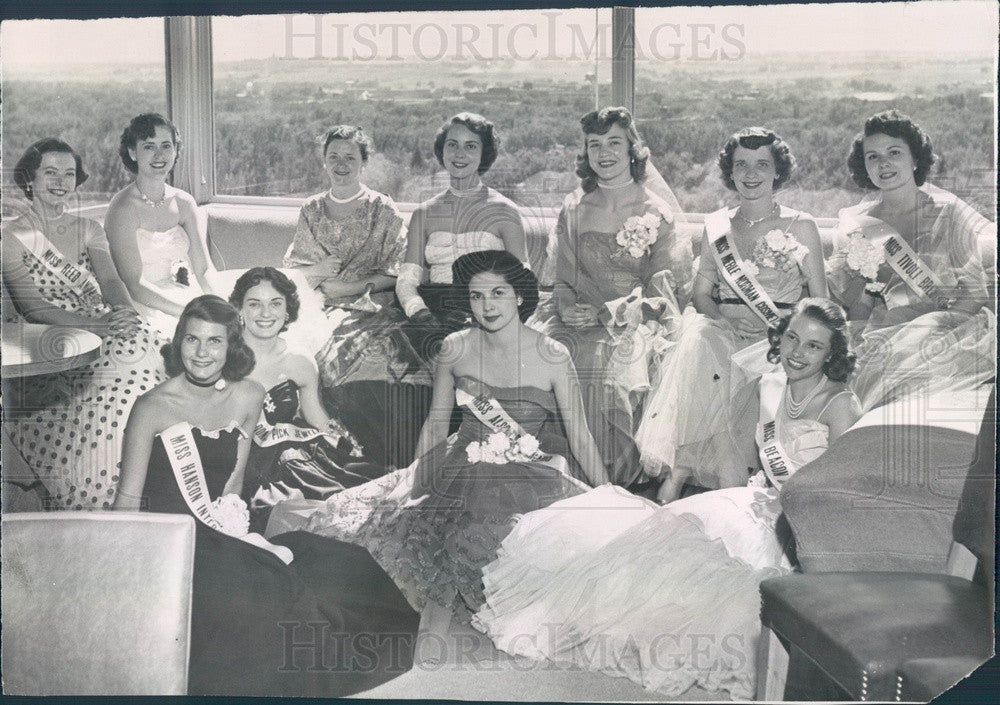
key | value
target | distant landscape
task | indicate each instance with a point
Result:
(268, 114)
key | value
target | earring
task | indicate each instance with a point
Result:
(240, 317)
(286, 318)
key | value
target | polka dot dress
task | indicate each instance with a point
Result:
(68, 427)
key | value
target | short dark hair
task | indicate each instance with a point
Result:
(349, 133)
(893, 124)
(142, 127)
(522, 279)
(281, 283)
(214, 309)
(478, 125)
(755, 138)
(832, 316)
(27, 165)
(598, 122)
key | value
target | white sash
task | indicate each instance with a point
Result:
(492, 415)
(178, 441)
(266, 434)
(730, 266)
(912, 270)
(79, 281)
(776, 464)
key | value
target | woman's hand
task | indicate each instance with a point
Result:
(335, 289)
(424, 317)
(579, 315)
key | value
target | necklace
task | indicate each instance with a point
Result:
(469, 192)
(359, 194)
(149, 201)
(613, 187)
(219, 384)
(793, 408)
(750, 222)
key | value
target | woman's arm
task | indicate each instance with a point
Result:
(435, 428)
(250, 400)
(121, 224)
(705, 281)
(112, 287)
(411, 272)
(307, 255)
(569, 399)
(137, 448)
(303, 371)
(842, 413)
(511, 231)
(812, 264)
(195, 224)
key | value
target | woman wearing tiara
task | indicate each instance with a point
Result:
(58, 269)
(156, 232)
(668, 597)
(621, 275)
(907, 265)
(756, 261)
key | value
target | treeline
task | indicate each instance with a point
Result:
(266, 140)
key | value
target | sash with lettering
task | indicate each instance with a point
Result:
(730, 266)
(79, 281)
(266, 434)
(178, 441)
(492, 415)
(776, 464)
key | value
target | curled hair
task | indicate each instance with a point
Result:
(598, 122)
(755, 138)
(143, 127)
(830, 315)
(213, 309)
(27, 165)
(350, 133)
(522, 280)
(478, 125)
(281, 283)
(893, 124)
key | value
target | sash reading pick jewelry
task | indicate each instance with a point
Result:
(492, 415)
(178, 440)
(730, 266)
(266, 434)
(776, 464)
(79, 281)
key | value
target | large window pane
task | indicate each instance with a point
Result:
(814, 73)
(80, 81)
(280, 81)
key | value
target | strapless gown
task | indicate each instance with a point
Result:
(166, 266)
(436, 544)
(665, 596)
(352, 628)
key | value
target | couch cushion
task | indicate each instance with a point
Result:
(924, 679)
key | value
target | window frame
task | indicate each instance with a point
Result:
(190, 91)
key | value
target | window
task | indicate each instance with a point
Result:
(280, 81)
(80, 81)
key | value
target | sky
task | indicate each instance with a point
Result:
(933, 26)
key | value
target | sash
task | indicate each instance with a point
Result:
(178, 441)
(776, 464)
(492, 415)
(730, 266)
(266, 434)
(79, 281)
(913, 270)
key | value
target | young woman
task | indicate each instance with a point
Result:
(433, 526)
(58, 270)
(756, 261)
(668, 597)
(298, 450)
(186, 447)
(621, 274)
(920, 304)
(157, 234)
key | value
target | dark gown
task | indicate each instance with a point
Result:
(329, 624)
(315, 468)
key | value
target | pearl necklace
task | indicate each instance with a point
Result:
(794, 409)
(752, 222)
(359, 194)
(149, 201)
(614, 187)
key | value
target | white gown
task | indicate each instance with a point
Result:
(667, 597)
(163, 254)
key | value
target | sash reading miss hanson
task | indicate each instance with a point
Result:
(776, 464)
(178, 440)
(732, 269)
(492, 415)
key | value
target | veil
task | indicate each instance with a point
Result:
(682, 253)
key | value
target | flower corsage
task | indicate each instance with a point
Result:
(180, 272)
(500, 448)
(778, 250)
(865, 257)
(232, 514)
(638, 234)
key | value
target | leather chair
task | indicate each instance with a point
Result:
(886, 635)
(96, 603)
